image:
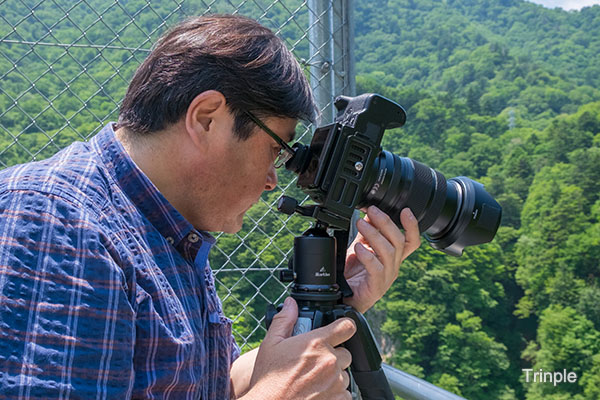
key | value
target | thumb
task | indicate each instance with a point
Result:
(283, 323)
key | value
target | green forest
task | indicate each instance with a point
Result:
(502, 91)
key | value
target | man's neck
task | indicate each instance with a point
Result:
(160, 157)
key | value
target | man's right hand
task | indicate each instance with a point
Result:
(307, 366)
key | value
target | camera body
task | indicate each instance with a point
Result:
(337, 167)
(345, 168)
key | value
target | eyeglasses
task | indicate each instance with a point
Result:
(286, 152)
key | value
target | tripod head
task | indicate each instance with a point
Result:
(317, 265)
(316, 269)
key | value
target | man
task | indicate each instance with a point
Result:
(105, 288)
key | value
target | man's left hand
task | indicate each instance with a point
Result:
(374, 258)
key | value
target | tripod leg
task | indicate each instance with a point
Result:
(366, 361)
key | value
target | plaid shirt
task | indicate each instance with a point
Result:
(105, 289)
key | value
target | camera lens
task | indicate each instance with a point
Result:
(452, 213)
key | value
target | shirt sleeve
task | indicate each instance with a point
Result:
(67, 327)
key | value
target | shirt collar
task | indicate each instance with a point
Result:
(145, 195)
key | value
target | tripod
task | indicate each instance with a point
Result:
(317, 272)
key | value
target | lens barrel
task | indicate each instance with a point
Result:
(452, 213)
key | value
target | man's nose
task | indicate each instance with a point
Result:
(271, 179)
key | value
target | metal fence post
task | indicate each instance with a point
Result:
(331, 41)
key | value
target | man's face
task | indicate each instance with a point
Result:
(239, 172)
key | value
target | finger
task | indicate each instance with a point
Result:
(368, 259)
(283, 322)
(411, 229)
(337, 332)
(380, 245)
(344, 357)
(345, 379)
(386, 226)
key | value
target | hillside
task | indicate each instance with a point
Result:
(504, 92)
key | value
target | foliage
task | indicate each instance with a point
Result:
(492, 93)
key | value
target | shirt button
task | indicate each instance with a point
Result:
(170, 240)
(193, 237)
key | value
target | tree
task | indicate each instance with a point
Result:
(478, 363)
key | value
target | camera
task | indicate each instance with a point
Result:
(344, 168)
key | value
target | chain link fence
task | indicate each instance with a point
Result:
(65, 66)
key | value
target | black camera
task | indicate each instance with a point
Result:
(344, 168)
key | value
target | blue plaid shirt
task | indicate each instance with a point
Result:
(105, 289)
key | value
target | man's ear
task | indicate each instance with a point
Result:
(202, 112)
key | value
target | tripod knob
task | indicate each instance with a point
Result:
(286, 275)
(287, 205)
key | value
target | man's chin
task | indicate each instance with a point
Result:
(232, 230)
(234, 226)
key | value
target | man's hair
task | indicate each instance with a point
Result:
(231, 54)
